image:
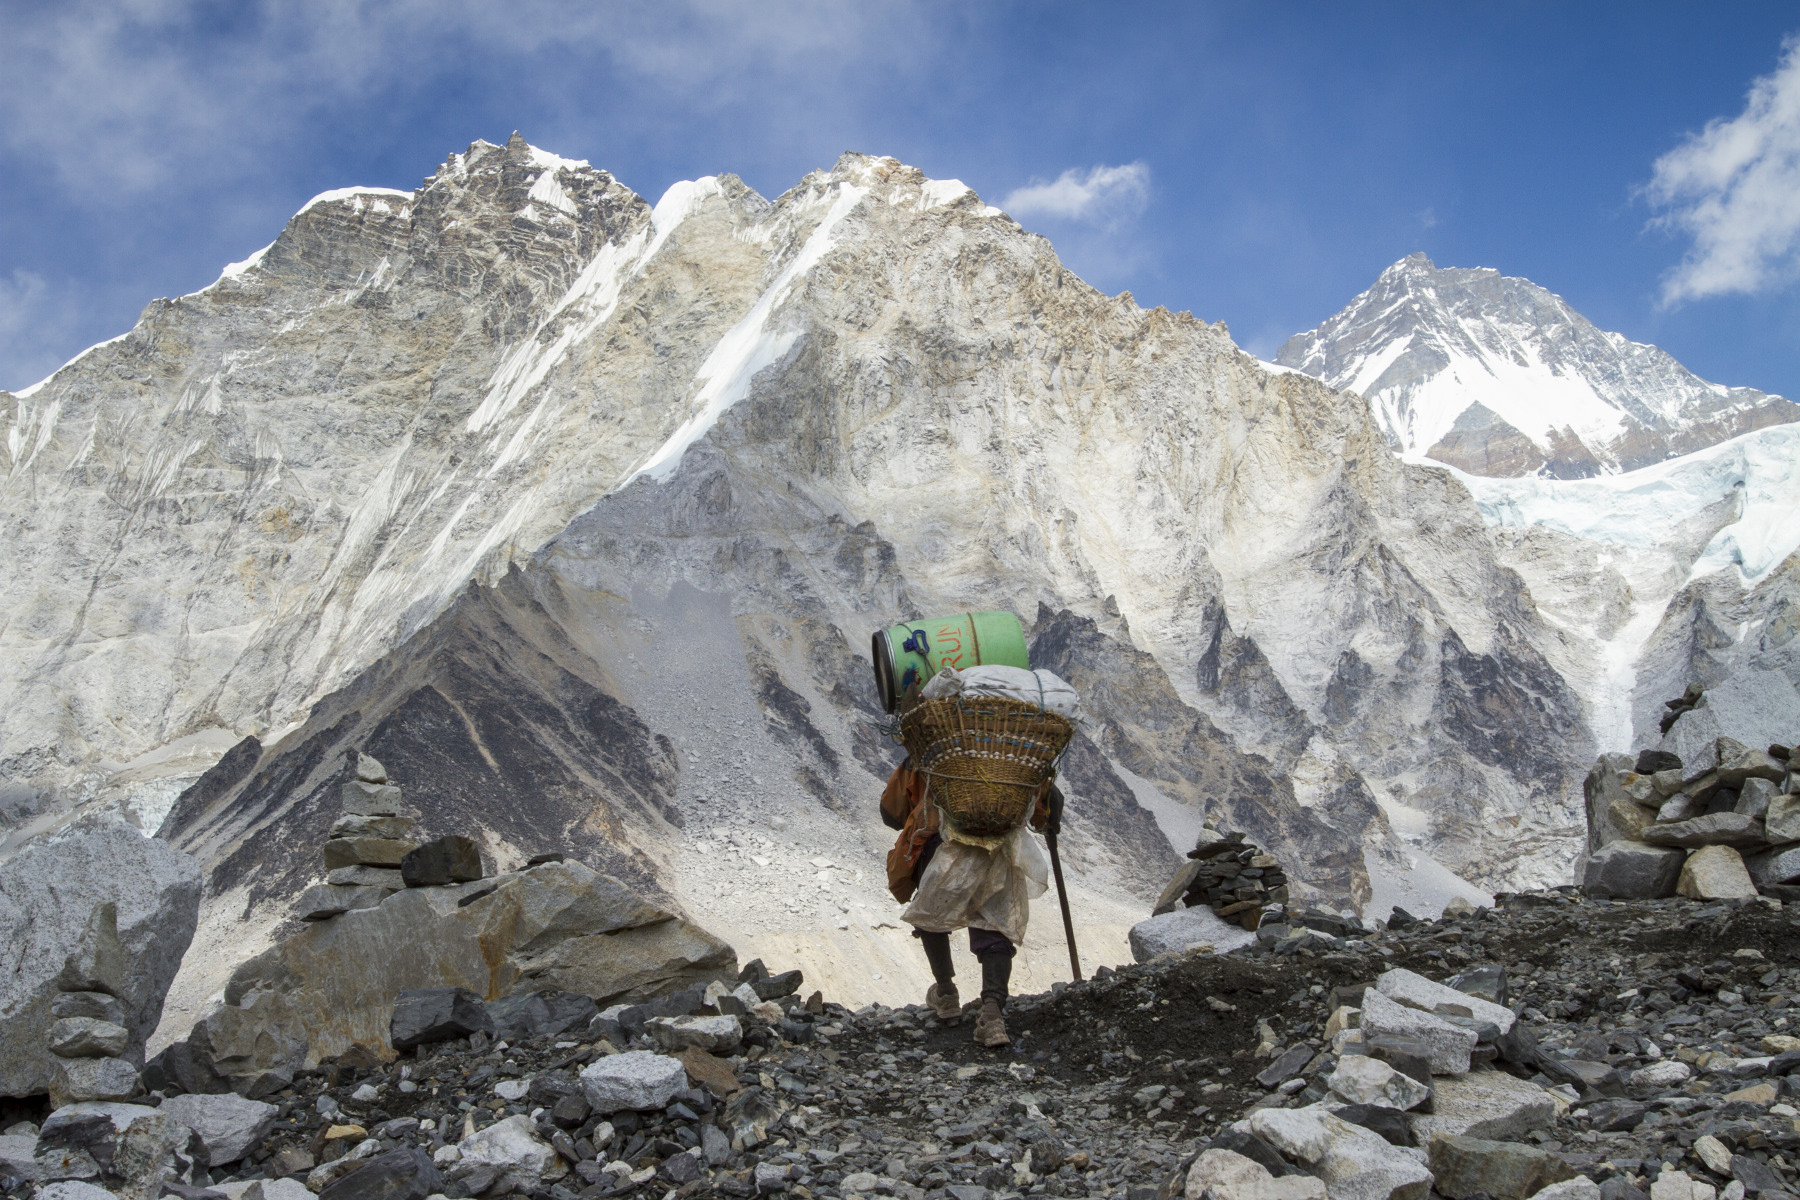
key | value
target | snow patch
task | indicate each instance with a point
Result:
(750, 346)
(356, 196)
(237, 269)
(942, 191)
(1641, 508)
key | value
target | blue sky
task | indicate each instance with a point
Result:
(1255, 163)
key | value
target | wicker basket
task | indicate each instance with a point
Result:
(984, 759)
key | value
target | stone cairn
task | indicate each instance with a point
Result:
(1720, 821)
(1231, 876)
(369, 856)
(88, 1034)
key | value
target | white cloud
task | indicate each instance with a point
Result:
(1734, 187)
(1101, 196)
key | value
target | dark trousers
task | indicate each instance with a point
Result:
(993, 950)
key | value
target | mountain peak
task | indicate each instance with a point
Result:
(1498, 376)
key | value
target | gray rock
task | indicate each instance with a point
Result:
(50, 896)
(523, 1161)
(407, 1174)
(228, 1126)
(323, 901)
(541, 1014)
(452, 859)
(1284, 1068)
(1739, 763)
(1664, 784)
(1449, 1045)
(1603, 787)
(97, 1005)
(333, 985)
(386, 878)
(1484, 1104)
(1177, 886)
(79, 1079)
(426, 1015)
(637, 1079)
(1416, 991)
(1360, 1079)
(1184, 929)
(1355, 1163)
(718, 1035)
(367, 769)
(96, 961)
(1774, 866)
(681, 1168)
(1713, 829)
(1755, 796)
(73, 1189)
(715, 1145)
(1680, 807)
(1632, 870)
(87, 1037)
(352, 825)
(372, 800)
(1782, 825)
(366, 852)
(1466, 1166)
(1695, 739)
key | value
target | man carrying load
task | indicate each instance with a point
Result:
(987, 892)
(983, 733)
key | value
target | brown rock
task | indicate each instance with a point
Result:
(710, 1070)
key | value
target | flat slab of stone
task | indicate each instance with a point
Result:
(323, 901)
(87, 1037)
(1415, 991)
(1449, 1046)
(363, 799)
(1484, 1104)
(1360, 1079)
(1782, 822)
(366, 852)
(1714, 829)
(386, 878)
(1185, 929)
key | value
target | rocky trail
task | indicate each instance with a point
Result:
(1650, 1056)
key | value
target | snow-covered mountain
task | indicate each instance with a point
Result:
(1497, 376)
(578, 510)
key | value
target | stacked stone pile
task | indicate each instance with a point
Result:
(1229, 875)
(369, 856)
(1228, 895)
(1723, 823)
(88, 1034)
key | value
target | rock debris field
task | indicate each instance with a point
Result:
(1619, 1050)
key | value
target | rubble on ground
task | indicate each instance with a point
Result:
(1613, 1050)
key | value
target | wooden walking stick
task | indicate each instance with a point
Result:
(1062, 895)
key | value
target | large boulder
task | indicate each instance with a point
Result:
(1715, 873)
(67, 908)
(1184, 929)
(1713, 829)
(1632, 871)
(1602, 789)
(334, 984)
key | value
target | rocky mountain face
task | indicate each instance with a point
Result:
(577, 511)
(1497, 376)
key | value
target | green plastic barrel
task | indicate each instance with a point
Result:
(908, 655)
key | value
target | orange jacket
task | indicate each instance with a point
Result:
(904, 807)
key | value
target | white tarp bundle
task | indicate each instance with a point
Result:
(1042, 688)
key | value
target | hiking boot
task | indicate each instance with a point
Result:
(942, 1000)
(990, 1026)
